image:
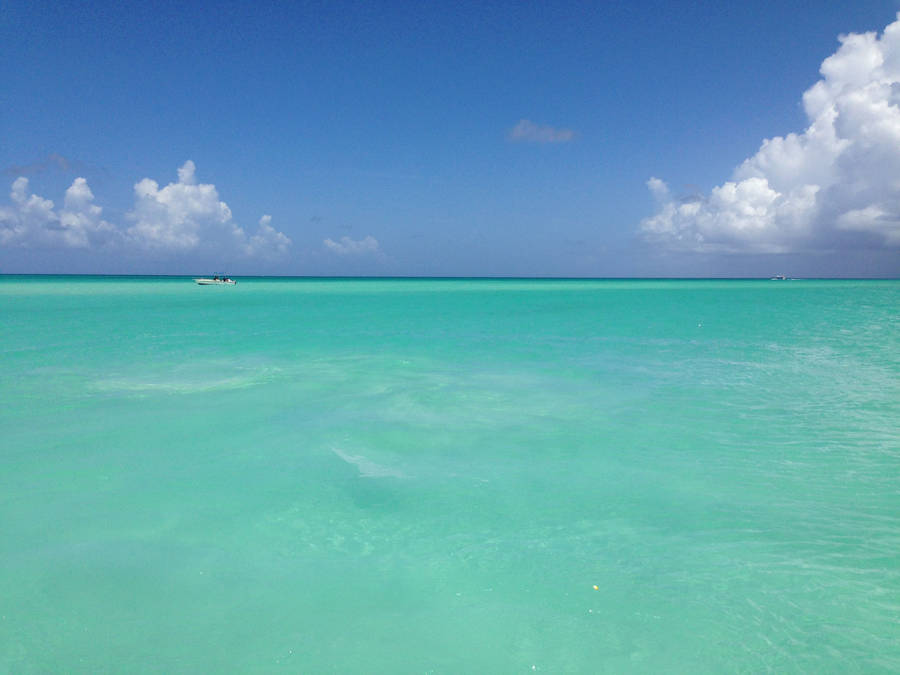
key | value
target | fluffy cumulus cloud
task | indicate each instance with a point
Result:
(267, 238)
(528, 132)
(832, 187)
(181, 217)
(348, 246)
(31, 220)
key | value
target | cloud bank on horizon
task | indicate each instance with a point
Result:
(836, 186)
(181, 217)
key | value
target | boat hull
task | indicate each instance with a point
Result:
(216, 282)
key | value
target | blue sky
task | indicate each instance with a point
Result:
(561, 139)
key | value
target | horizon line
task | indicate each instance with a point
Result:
(451, 277)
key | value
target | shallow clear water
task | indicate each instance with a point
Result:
(412, 476)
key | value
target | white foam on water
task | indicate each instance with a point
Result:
(186, 383)
(367, 468)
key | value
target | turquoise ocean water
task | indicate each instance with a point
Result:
(431, 476)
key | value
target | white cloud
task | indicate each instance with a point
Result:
(31, 221)
(834, 186)
(348, 246)
(180, 217)
(186, 173)
(267, 238)
(528, 131)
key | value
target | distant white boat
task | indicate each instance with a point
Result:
(216, 281)
(780, 277)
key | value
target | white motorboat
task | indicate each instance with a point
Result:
(216, 281)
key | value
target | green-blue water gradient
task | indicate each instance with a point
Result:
(411, 476)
